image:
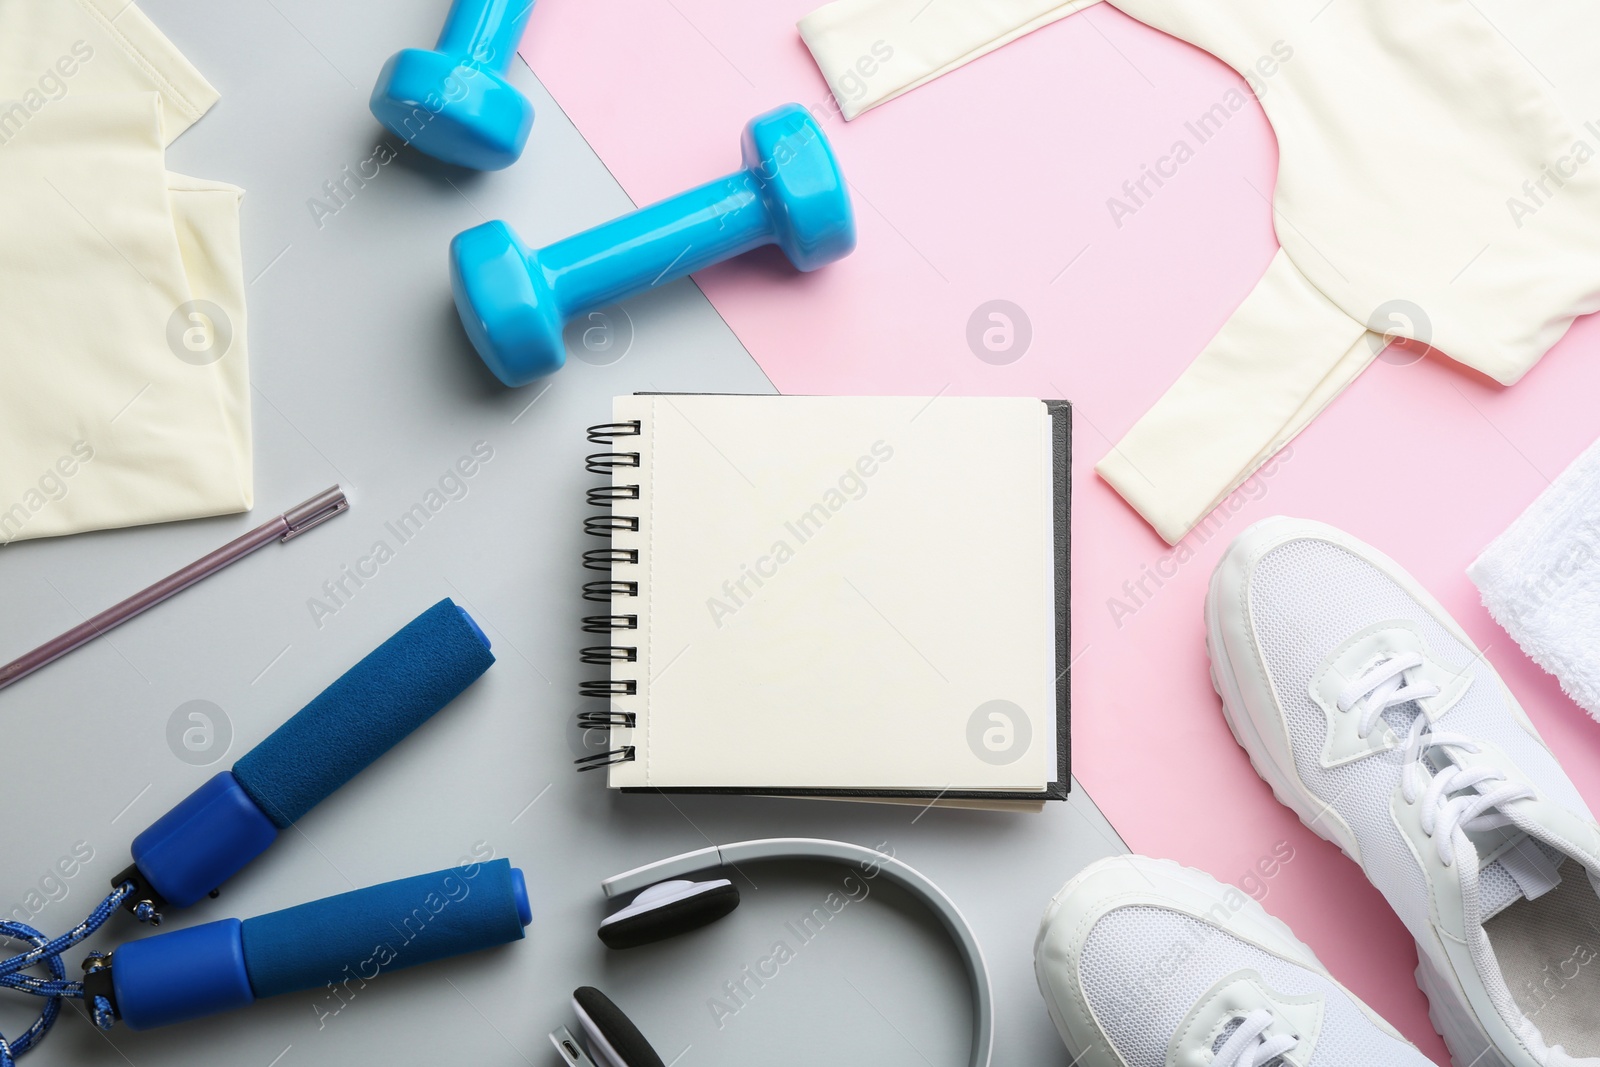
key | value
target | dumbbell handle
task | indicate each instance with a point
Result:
(657, 244)
(488, 31)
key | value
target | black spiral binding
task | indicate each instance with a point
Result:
(601, 496)
(603, 719)
(603, 559)
(605, 525)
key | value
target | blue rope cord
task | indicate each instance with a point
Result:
(56, 986)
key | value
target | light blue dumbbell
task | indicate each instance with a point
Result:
(514, 302)
(454, 102)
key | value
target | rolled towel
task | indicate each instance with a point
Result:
(1541, 580)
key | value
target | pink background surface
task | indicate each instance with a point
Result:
(992, 182)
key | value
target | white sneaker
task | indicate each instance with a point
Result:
(1144, 963)
(1371, 714)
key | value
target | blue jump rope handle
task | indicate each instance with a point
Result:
(231, 819)
(345, 942)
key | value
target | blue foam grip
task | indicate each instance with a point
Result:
(369, 710)
(203, 841)
(354, 937)
(168, 978)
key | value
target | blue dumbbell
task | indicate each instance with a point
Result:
(514, 302)
(454, 103)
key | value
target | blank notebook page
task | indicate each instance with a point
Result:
(830, 587)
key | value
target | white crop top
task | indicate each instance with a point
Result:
(1408, 133)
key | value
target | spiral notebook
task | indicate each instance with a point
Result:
(849, 597)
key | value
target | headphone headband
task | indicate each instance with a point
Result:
(813, 848)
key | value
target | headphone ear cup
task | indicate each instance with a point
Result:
(663, 911)
(612, 1038)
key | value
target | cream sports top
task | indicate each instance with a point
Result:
(1406, 134)
(124, 380)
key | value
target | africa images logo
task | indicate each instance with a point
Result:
(999, 732)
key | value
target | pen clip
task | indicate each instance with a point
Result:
(314, 512)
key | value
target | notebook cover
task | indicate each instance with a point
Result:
(1061, 441)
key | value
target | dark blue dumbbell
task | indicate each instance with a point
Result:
(453, 102)
(514, 302)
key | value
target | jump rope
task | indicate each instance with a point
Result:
(213, 833)
(231, 819)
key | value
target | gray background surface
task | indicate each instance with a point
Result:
(362, 377)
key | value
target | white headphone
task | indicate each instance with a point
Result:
(669, 904)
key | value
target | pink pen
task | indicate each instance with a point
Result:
(297, 520)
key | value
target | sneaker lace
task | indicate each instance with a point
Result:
(1249, 1046)
(1444, 812)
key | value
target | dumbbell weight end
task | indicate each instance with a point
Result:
(453, 103)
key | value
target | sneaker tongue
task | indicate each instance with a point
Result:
(1518, 868)
(1515, 866)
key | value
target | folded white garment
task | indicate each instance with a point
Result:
(1541, 579)
(124, 384)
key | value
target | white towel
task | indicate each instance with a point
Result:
(1541, 580)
